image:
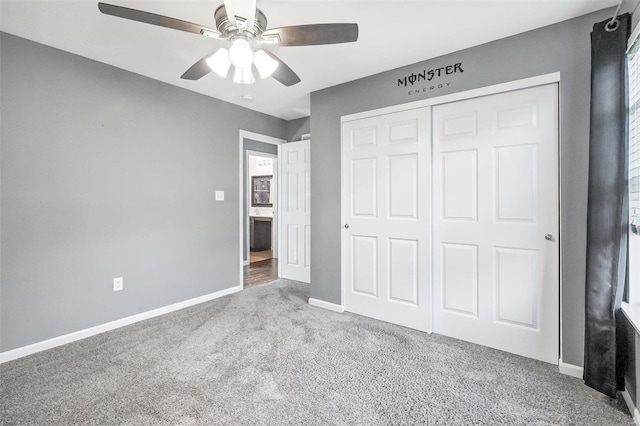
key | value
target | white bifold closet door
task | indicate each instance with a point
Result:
(386, 230)
(295, 208)
(495, 221)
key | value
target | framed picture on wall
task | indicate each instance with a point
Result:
(261, 191)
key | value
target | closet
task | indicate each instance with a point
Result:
(451, 218)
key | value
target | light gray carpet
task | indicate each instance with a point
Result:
(266, 357)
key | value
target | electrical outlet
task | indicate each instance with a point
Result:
(118, 284)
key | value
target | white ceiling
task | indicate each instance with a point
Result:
(392, 34)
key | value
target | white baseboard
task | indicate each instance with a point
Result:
(325, 305)
(92, 331)
(632, 407)
(570, 369)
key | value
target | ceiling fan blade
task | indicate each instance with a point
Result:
(153, 19)
(244, 9)
(283, 73)
(311, 35)
(197, 70)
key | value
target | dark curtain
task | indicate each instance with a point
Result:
(607, 209)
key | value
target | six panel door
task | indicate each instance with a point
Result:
(386, 229)
(295, 257)
(495, 221)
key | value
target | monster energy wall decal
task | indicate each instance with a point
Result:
(428, 80)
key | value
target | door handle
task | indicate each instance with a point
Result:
(549, 237)
(346, 226)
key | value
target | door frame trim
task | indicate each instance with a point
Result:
(541, 80)
(242, 134)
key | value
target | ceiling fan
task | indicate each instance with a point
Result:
(244, 28)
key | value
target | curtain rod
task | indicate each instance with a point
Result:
(613, 24)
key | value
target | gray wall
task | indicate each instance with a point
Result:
(564, 48)
(105, 173)
(251, 145)
(298, 127)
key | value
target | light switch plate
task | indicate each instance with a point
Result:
(219, 195)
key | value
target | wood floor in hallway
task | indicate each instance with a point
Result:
(259, 256)
(261, 272)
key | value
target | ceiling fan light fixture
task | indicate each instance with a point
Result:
(219, 62)
(265, 64)
(240, 53)
(244, 27)
(243, 75)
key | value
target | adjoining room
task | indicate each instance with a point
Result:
(263, 232)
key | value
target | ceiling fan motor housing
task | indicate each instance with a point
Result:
(227, 29)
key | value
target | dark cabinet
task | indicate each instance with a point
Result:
(260, 233)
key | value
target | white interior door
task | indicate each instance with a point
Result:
(386, 229)
(495, 221)
(295, 207)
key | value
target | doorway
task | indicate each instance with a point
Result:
(259, 213)
(262, 203)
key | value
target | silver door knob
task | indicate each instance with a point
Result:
(548, 237)
(346, 226)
